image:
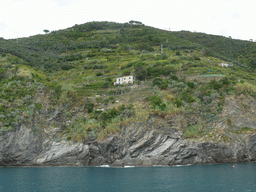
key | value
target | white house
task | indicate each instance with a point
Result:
(225, 65)
(124, 80)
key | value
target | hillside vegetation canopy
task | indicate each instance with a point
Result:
(66, 69)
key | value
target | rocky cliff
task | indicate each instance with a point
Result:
(137, 145)
(155, 142)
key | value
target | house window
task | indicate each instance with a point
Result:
(124, 78)
(129, 77)
(118, 79)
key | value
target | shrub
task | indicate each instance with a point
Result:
(177, 102)
(121, 108)
(89, 107)
(157, 81)
(127, 113)
(111, 98)
(139, 64)
(246, 88)
(109, 79)
(127, 66)
(229, 90)
(174, 61)
(111, 92)
(193, 131)
(190, 99)
(225, 81)
(91, 55)
(106, 84)
(214, 85)
(191, 84)
(140, 73)
(164, 56)
(108, 115)
(174, 77)
(38, 106)
(229, 121)
(58, 90)
(126, 72)
(145, 46)
(158, 57)
(99, 74)
(130, 106)
(66, 66)
(245, 129)
(2, 73)
(157, 102)
(197, 58)
(163, 86)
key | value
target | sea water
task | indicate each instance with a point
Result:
(228, 177)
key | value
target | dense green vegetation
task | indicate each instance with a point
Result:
(76, 68)
(237, 51)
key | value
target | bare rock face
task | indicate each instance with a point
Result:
(64, 153)
(140, 147)
(252, 147)
(19, 147)
(241, 111)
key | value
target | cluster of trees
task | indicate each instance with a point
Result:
(144, 71)
(135, 22)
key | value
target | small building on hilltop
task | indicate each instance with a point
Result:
(125, 80)
(225, 65)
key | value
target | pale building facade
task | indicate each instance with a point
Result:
(125, 80)
(225, 65)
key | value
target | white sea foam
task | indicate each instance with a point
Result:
(104, 166)
(127, 166)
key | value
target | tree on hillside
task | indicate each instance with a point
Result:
(135, 22)
(46, 31)
(122, 32)
(66, 43)
(140, 73)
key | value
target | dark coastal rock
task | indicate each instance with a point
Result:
(252, 147)
(118, 163)
(132, 162)
(156, 160)
(98, 161)
(147, 162)
(64, 154)
(139, 147)
(20, 147)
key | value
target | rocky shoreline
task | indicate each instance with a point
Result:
(136, 145)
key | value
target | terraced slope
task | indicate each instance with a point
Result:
(65, 80)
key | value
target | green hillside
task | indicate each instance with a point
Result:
(240, 52)
(65, 70)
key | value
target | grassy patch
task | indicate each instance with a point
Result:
(193, 131)
(246, 88)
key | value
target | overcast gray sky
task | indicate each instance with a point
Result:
(235, 18)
